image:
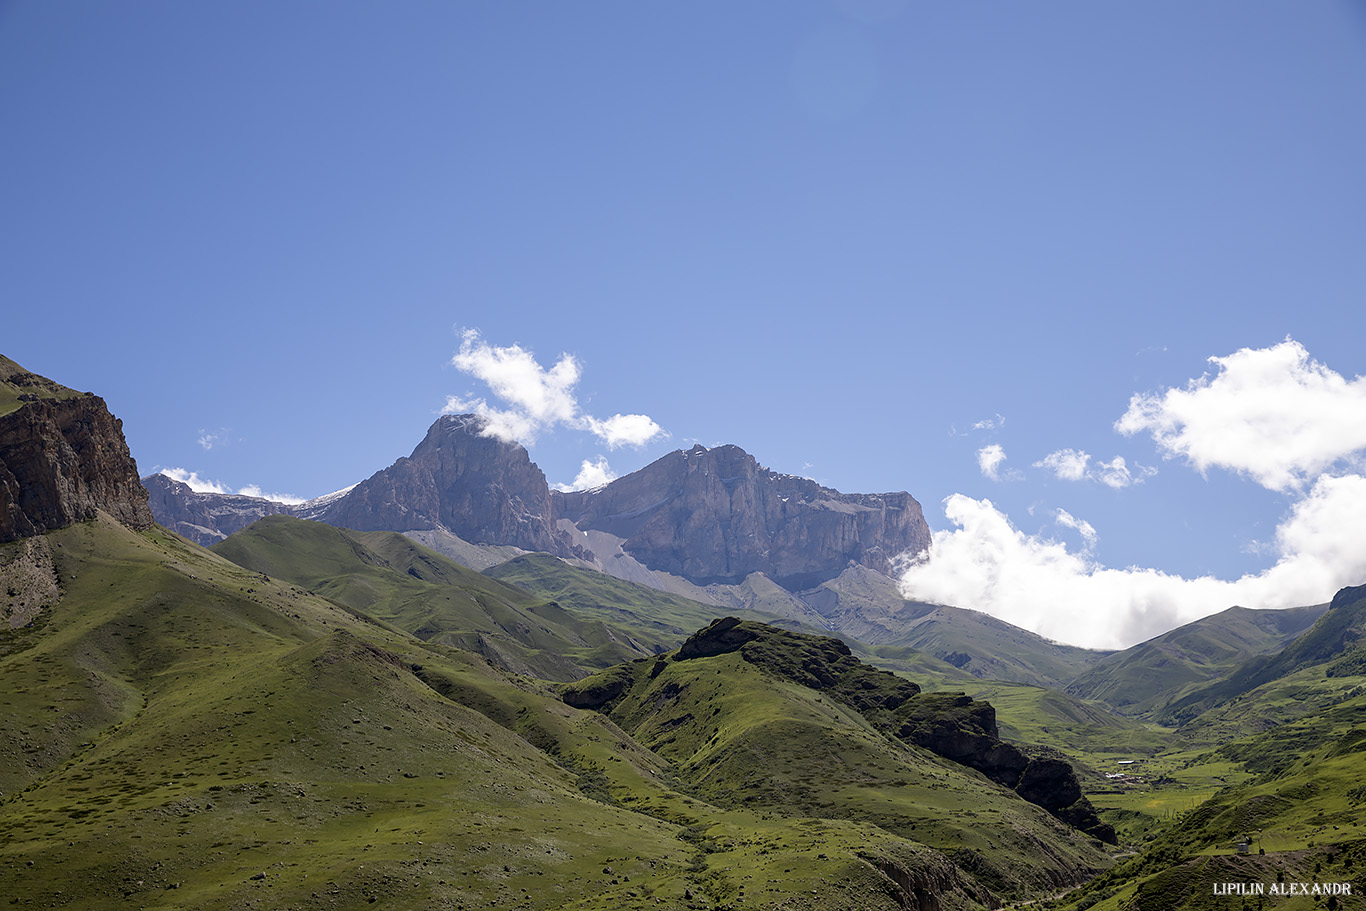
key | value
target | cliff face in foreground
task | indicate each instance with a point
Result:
(62, 457)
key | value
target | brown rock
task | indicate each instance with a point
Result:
(62, 458)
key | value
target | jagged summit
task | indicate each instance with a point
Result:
(63, 458)
(475, 486)
(717, 515)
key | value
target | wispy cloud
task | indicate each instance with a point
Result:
(536, 399)
(204, 485)
(990, 423)
(591, 474)
(1272, 414)
(1075, 465)
(208, 440)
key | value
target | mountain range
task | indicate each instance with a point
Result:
(697, 686)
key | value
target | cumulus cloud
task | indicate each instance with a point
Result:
(591, 474)
(204, 485)
(1033, 581)
(625, 430)
(1075, 465)
(537, 398)
(209, 440)
(1274, 414)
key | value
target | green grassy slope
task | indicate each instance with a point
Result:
(395, 580)
(181, 732)
(649, 614)
(16, 381)
(1289, 737)
(1303, 814)
(1338, 632)
(989, 648)
(742, 735)
(1144, 678)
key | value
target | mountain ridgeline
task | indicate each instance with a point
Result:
(319, 717)
(705, 515)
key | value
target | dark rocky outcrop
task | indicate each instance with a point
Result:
(716, 515)
(478, 487)
(62, 458)
(954, 726)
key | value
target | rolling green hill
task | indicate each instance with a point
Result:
(179, 731)
(400, 582)
(989, 648)
(1290, 728)
(1141, 680)
(1335, 635)
(793, 725)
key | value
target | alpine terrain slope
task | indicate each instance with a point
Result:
(451, 687)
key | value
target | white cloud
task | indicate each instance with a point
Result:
(989, 459)
(1075, 465)
(1066, 464)
(1083, 527)
(1031, 581)
(538, 399)
(204, 485)
(591, 474)
(625, 430)
(209, 440)
(1274, 414)
(195, 482)
(990, 423)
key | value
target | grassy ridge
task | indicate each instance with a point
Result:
(400, 582)
(1143, 679)
(744, 737)
(184, 732)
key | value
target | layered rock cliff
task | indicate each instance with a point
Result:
(62, 458)
(477, 487)
(717, 515)
(205, 518)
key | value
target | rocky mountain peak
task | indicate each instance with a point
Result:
(62, 458)
(717, 515)
(476, 486)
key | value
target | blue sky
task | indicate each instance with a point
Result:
(866, 241)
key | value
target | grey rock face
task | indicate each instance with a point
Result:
(716, 515)
(477, 487)
(205, 518)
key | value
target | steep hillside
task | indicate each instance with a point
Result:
(989, 648)
(397, 581)
(646, 611)
(1143, 678)
(178, 731)
(732, 732)
(1337, 633)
